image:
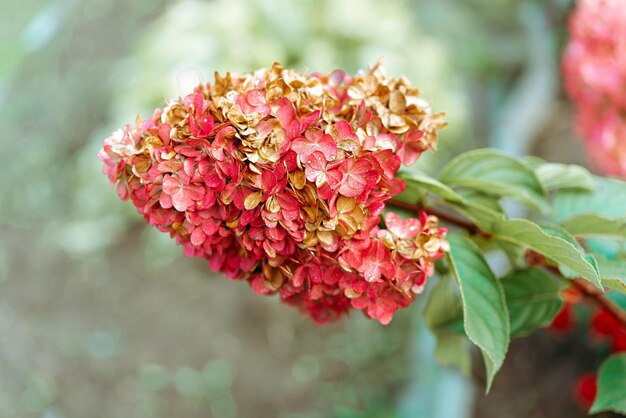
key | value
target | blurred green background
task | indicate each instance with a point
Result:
(101, 316)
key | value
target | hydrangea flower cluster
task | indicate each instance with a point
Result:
(280, 178)
(594, 70)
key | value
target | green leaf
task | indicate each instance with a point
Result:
(478, 207)
(491, 172)
(611, 385)
(592, 224)
(532, 296)
(485, 315)
(421, 180)
(573, 274)
(480, 215)
(608, 198)
(612, 272)
(443, 306)
(443, 309)
(617, 298)
(530, 235)
(475, 198)
(555, 176)
(413, 193)
(452, 351)
(514, 252)
(560, 232)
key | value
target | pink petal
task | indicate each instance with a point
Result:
(372, 271)
(256, 97)
(197, 237)
(212, 179)
(316, 165)
(334, 177)
(180, 201)
(392, 221)
(389, 163)
(309, 120)
(303, 148)
(194, 192)
(358, 177)
(324, 191)
(165, 201)
(299, 276)
(315, 140)
(396, 186)
(377, 263)
(164, 133)
(408, 228)
(189, 167)
(170, 185)
(284, 111)
(354, 259)
(198, 103)
(209, 226)
(328, 146)
(344, 130)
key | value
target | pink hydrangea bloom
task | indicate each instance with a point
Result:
(279, 178)
(594, 70)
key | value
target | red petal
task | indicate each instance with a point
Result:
(324, 191)
(268, 180)
(164, 133)
(586, 390)
(408, 228)
(309, 120)
(290, 159)
(198, 103)
(564, 321)
(334, 177)
(287, 202)
(194, 192)
(396, 186)
(389, 163)
(345, 130)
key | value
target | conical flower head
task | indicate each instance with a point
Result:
(279, 178)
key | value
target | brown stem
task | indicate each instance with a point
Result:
(598, 298)
(587, 289)
(417, 208)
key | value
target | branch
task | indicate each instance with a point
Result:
(587, 290)
(451, 219)
(598, 298)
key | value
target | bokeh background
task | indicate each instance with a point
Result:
(101, 316)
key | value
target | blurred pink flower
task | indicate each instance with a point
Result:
(594, 70)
